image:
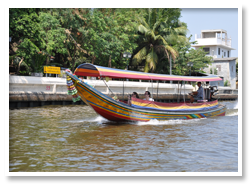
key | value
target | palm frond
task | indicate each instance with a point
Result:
(182, 30)
(146, 68)
(142, 29)
(156, 25)
(160, 22)
(152, 59)
(142, 21)
(151, 34)
(173, 52)
(141, 55)
(171, 38)
(182, 39)
(159, 48)
(159, 37)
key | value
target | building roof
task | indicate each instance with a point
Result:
(224, 46)
(215, 30)
(225, 59)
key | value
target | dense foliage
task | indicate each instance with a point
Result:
(68, 37)
(159, 30)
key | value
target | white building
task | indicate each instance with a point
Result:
(217, 44)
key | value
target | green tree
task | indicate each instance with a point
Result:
(24, 23)
(100, 36)
(71, 19)
(106, 35)
(33, 58)
(180, 66)
(199, 59)
(25, 33)
(186, 54)
(52, 33)
(159, 29)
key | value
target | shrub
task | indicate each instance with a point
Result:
(226, 83)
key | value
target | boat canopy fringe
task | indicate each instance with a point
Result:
(71, 88)
(91, 70)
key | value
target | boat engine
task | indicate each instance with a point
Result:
(213, 90)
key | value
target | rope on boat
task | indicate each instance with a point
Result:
(101, 77)
(71, 88)
(108, 86)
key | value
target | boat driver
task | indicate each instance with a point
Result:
(197, 95)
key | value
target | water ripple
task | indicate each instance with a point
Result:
(76, 139)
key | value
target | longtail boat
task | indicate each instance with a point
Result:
(140, 110)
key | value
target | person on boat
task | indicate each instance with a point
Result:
(115, 98)
(148, 96)
(197, 95)
(134, 95)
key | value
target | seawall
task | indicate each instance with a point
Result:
(30, 91)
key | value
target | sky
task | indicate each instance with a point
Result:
(198, 19)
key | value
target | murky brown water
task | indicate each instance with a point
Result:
(76, 139)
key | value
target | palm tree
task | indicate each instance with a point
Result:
(158, 30)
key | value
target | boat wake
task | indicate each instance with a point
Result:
(99, 120)
(236, 105)
(232, 108)
(169, 122)
(232, 112)
(231, 105)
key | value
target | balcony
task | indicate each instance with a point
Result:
(217, 40)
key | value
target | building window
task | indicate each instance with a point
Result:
(219, 67)
(218, 51)
(206, 50)
(232, 68)
(228, 54)
(224, 54)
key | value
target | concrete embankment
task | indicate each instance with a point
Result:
(29, 91)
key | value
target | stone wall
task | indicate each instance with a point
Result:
(27, 88)
(227, 71)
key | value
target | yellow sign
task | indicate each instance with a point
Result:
(51, 70)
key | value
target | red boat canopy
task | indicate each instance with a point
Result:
(87, 69)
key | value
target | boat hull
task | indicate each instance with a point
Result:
(117, 111)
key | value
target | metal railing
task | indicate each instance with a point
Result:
(198, 36)
(223, 41)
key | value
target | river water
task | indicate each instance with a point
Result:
(75, 139)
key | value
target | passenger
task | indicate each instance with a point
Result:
(134, 95)
(148, 96)
(197, 95)
(115, 98)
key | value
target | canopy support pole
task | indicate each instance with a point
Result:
(123, 90)
(180, 89)
(157, 89)
(178, 92)
(184, 92)
(171, 82)
(205, 96)
(152, 86)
